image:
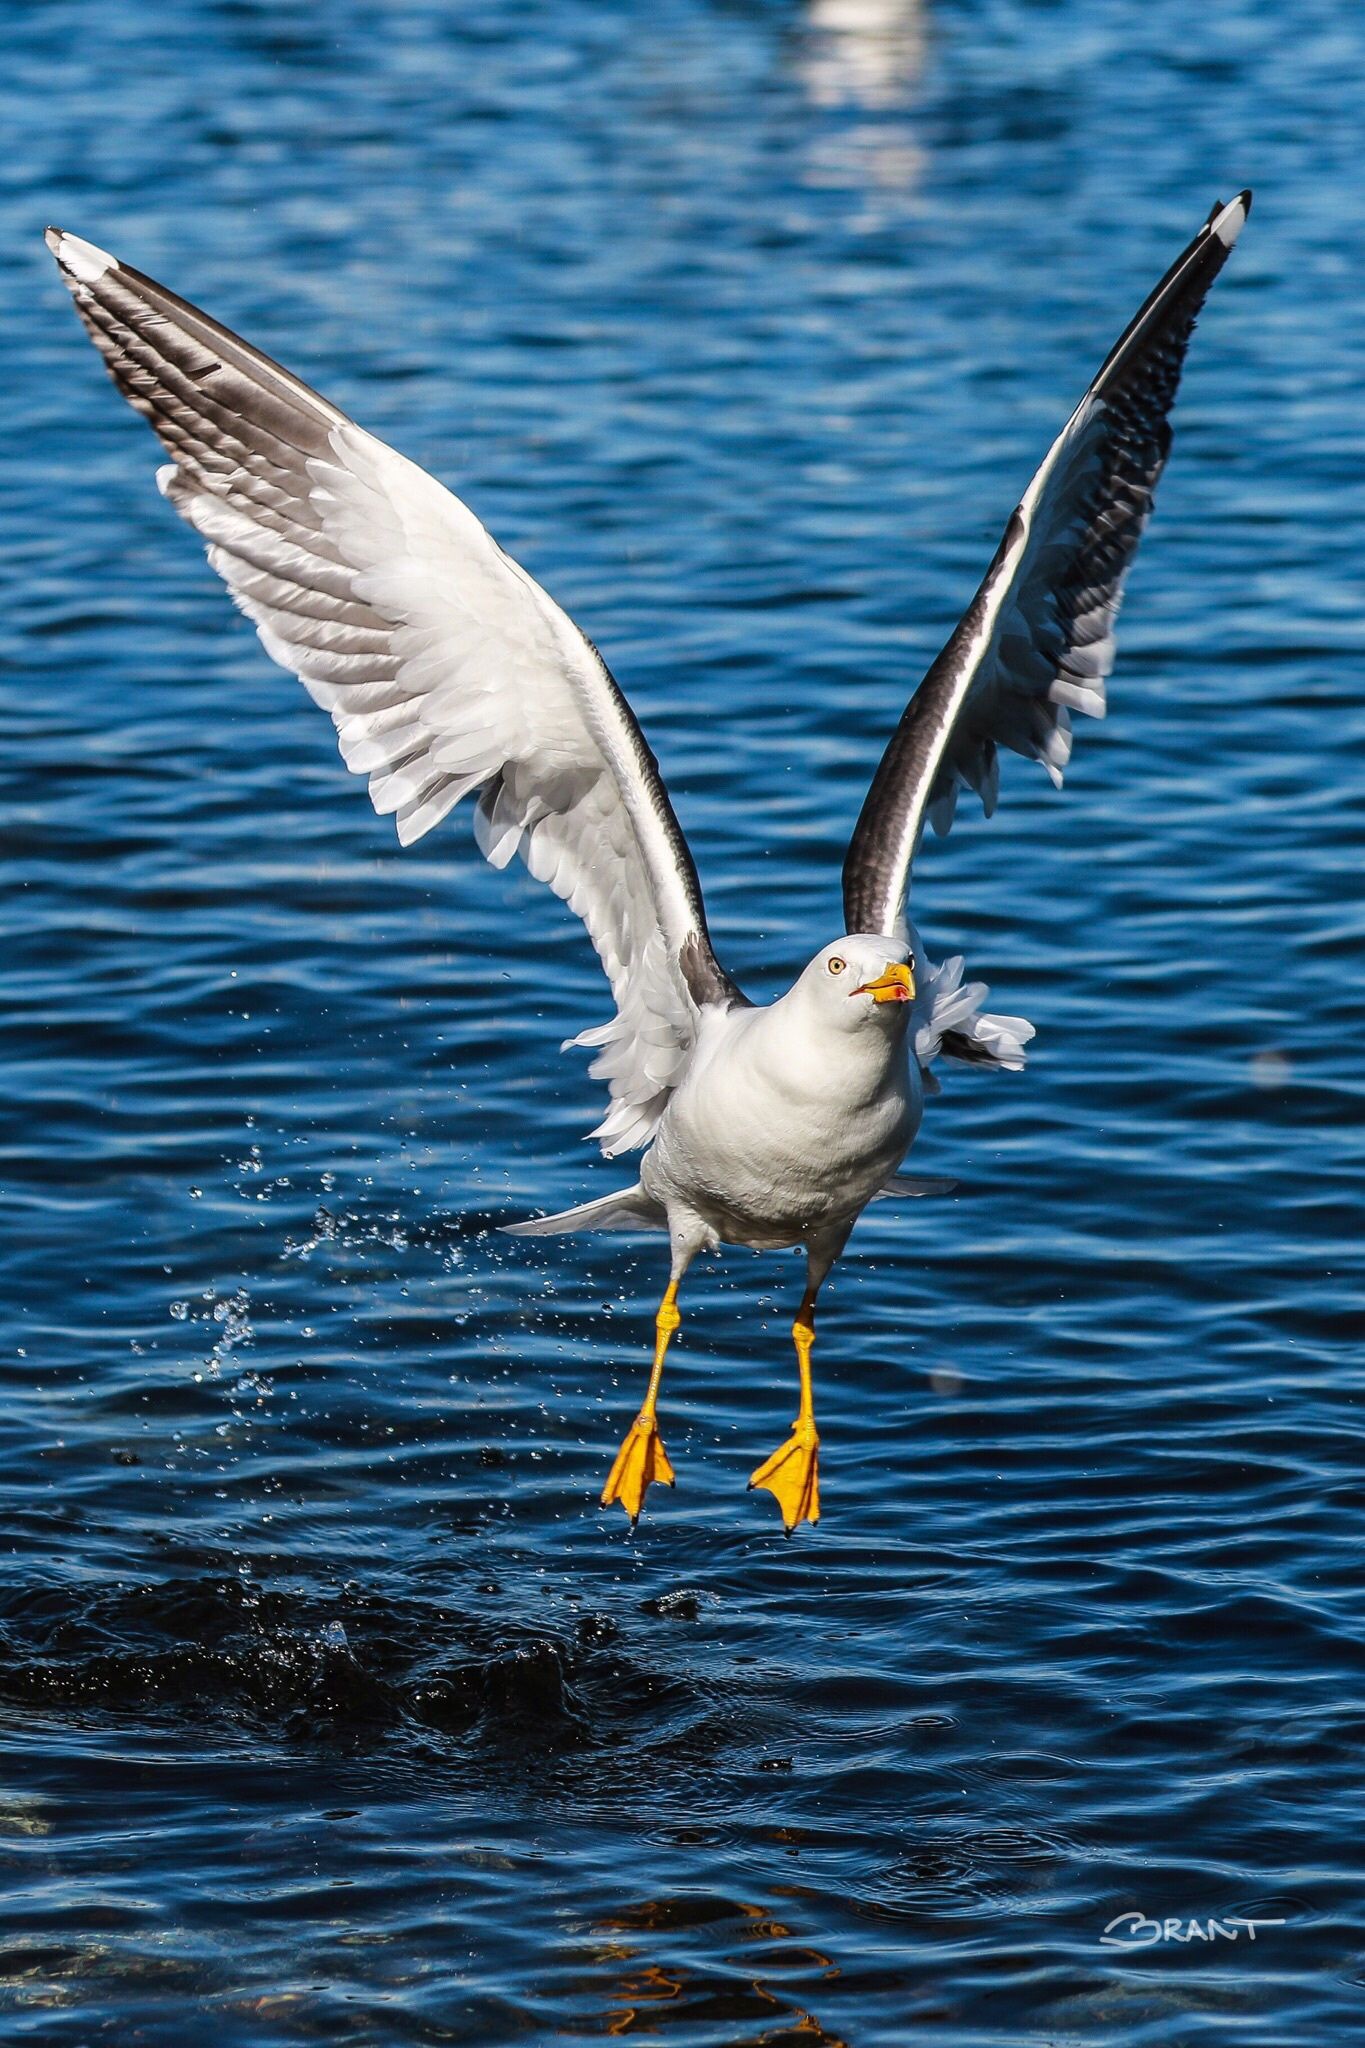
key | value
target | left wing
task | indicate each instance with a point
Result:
(446, 669)
(1037, 640)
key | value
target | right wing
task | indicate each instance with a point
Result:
(445, 667)
(1037, 640)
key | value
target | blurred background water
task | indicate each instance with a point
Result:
(331, 1706)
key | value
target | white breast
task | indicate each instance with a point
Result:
(779, 1129)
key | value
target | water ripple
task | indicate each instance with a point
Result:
(331, 1706)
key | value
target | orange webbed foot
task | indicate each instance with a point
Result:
(792, 1476)
(640, 1461)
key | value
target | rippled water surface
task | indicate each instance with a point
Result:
(332, 1708)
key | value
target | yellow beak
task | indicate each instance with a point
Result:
(895, 985)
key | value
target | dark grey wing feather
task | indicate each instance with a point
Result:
(1037, 641)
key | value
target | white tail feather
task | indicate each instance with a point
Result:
(627, 1209)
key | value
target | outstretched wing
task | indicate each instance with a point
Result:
(1037, 640)
(445, 668)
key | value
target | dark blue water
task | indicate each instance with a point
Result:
(332, 1708)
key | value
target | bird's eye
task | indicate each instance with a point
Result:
(836, 965)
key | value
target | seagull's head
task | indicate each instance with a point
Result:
(861, 980)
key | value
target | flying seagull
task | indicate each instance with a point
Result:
(449, 672)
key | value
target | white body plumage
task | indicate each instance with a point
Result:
(789, 1118)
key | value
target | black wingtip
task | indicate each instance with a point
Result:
(1226, 222)
(1242, 199)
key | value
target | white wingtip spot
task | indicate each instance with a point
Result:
(1229, 223)
(85, 262)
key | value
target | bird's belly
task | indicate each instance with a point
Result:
(770, 1176)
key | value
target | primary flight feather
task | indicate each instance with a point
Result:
(448, 672)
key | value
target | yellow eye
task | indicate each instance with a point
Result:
(836, 965)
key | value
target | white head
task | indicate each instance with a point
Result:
(861, 982)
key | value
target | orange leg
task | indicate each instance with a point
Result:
(792, 1474)
(642, 1458)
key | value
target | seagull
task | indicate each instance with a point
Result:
(448, 672)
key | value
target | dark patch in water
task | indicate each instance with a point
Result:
(214, 1650)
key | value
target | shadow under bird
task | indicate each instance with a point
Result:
(448, 672)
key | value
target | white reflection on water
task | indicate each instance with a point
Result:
(867, 56)
(863, 53)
